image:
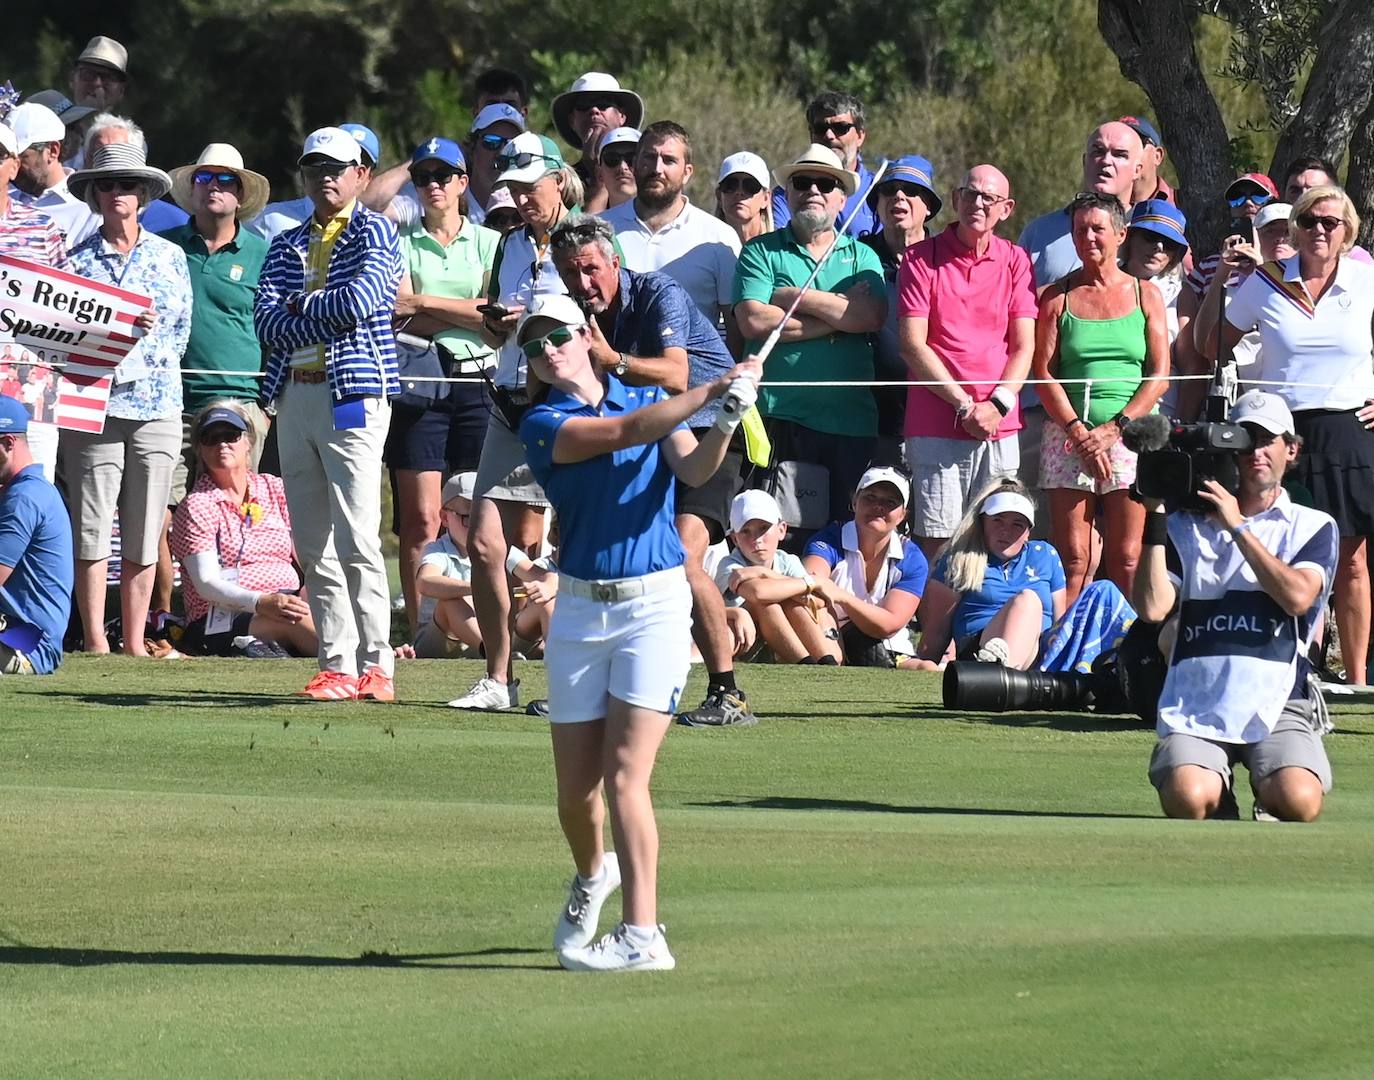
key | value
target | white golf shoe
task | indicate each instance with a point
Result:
(616, 952)
(489, 695)
(578, 920)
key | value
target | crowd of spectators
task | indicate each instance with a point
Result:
(273, 389)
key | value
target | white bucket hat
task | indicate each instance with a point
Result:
(256, 190)
(602, 87)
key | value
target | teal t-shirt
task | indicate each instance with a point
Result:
(456, 272)
(775, 260)
(223, 340)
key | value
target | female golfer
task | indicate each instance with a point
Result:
(606, 454)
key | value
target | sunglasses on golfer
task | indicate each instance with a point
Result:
(733, 185)
(824, 184)
(424, 177)
(204, 177)
(556, 339)
(117, 185)
(1311, 221)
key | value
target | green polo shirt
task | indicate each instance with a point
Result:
(456, 272)
(774, 260)
(223, 286)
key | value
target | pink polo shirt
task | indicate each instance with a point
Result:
(969, 302)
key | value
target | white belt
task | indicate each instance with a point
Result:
(612, 592)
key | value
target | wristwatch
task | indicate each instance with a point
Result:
(621, 366)
(1121, 420)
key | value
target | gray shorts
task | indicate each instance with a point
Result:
(946, 474)
(1294, 743)
(503, 474)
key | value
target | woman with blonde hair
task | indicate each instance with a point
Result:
(993, 590)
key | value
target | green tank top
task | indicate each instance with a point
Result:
(1102, 349)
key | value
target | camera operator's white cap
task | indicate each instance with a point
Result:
(1268, 411)
(558, 308)
(1009, 502)
(753, 505)
(1272, 212)
(883, 474)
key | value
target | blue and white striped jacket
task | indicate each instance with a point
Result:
(351, 315)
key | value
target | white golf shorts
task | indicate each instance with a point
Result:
(637, 650)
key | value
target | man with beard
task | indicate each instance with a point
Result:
(836, 120)
(645, 329)
(823, 436)
(659, 229)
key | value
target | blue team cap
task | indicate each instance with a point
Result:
(1161, 217)
(913, 169)
(367, 139)
(14, 418)
(440, 149)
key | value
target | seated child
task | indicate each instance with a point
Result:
(770, 589)
(445, 576)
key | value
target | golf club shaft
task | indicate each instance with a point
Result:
(776, 333)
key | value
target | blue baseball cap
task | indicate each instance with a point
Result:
(440, 149)
(14, 418)
(367, 139)
(915, 170)
(1161, 217)
(1143, 128)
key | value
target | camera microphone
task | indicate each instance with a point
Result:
(1147, 433)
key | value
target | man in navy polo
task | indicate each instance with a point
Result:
(646, 329)
(836, 120)
(36, 567)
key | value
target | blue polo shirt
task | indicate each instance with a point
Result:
(36, 542)
(1036, 567)
(656, 312)
(865, 221)
(615, 511)
(1048, 241)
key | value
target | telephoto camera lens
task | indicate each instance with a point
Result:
(975, 687)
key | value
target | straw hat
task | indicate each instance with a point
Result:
(120, 160)
(223, 156)
(823, 160)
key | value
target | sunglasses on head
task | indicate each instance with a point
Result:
(908, 188)
(218, 435)
(734, 184)
(493, 143)
(1311, 221)
(556, 340)
(117, 185)
(204, 177)
(424, 177)
(824, 184)
(613, 159)
(841, 128)
(326, 169)
(522, 160)
(1259, 198)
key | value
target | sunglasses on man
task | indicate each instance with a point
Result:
(733, 185)
(910, 189)
(613, 159)
(206, 177)
(325, 170)
(600, 104)
(494, 143)
(824, 184)
(839, 128)
(1259, 198)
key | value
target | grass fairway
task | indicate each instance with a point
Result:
(202, 878)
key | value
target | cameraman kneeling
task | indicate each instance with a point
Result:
(1248, 581)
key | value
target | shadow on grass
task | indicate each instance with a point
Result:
(470, 961)
(1085, 722)
(784, 802)
(213, 699)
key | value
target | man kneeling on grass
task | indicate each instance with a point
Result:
(1248, 582)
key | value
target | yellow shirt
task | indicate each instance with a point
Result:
(322, 238)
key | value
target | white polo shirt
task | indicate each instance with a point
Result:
(71, 215)
(696, 250)
(1236, 660)
(1326, 342)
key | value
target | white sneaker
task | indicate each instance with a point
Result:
(578, 920)
(994, 651)
(616, 952)
(489, 695)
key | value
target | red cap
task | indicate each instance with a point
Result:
(1258, 179)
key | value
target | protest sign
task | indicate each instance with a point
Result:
(84, 326)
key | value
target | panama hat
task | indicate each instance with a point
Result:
(256, 190)
(819, 159)
(115, 160)
(601, 87)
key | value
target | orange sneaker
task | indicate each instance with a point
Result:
(331, 686)
(377, 685)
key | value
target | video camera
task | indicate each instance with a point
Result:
(1176, 458)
